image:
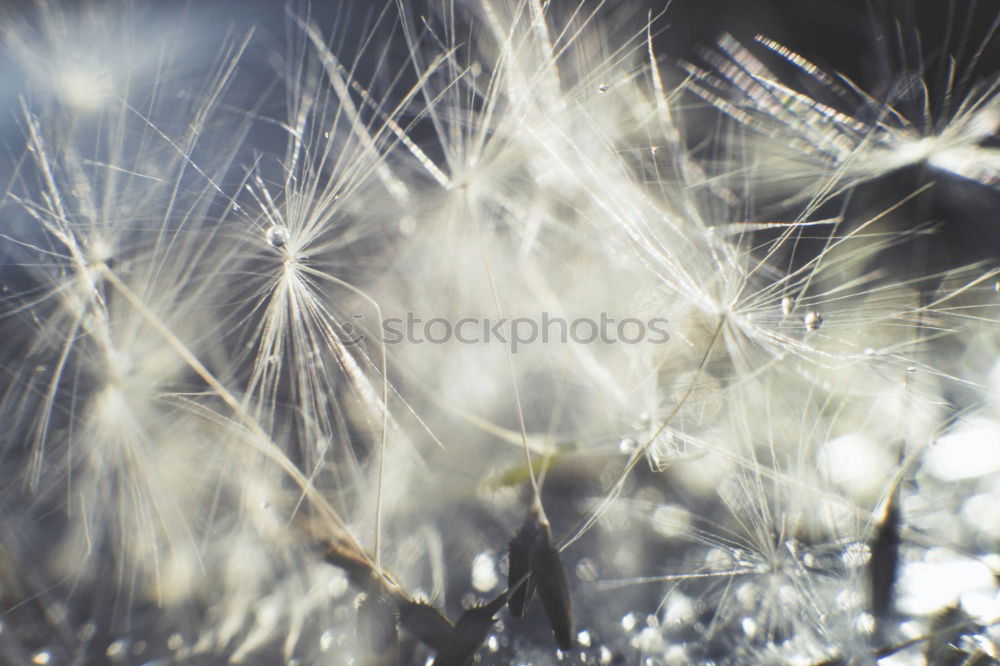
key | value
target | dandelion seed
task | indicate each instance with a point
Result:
(469, 633)
(535, 564)
(553, 590)
(520, 581)
(884, 562)
(426, 623)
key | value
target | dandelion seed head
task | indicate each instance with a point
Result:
(206, 433)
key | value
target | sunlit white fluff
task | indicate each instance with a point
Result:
(206, 430)
(831, 148)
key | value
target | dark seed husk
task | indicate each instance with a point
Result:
(946, 629)
(550, 580)
(520, 583)
(885, 559)
(469, 633)
(359, 570)
(377, 634)
(426, 623)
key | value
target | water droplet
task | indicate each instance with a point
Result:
(629, 622)
(117, 650)
(583, 638)
(87, 631)
(813, 320)
(492, 644)
(627, 445)
(786, 305)
(326, 641)
(603, 88)
(175, 641)
(42, 657)
(277, 236)
(749, 626)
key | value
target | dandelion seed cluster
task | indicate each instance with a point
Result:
(211, 453)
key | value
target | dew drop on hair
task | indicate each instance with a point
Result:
(277, 236)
